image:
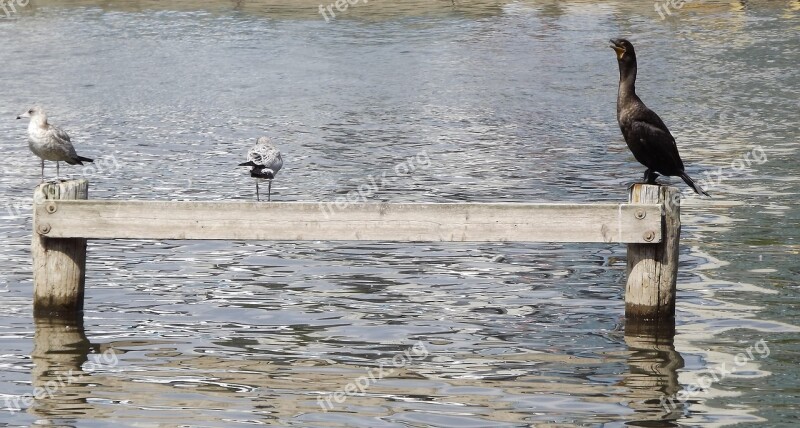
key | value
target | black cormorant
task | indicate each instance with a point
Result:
(646, 135)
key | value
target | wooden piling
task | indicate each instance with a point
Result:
(59, 264)
(653, 268)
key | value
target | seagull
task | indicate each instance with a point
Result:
(50, 142)
(265, 161)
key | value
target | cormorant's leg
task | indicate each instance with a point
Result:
(269, 192)
(653, 176)
(650, 176)
(257, 197)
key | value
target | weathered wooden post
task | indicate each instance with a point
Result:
(653, 268)
(59, 264)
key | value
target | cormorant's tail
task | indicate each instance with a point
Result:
(697, 189)
(248, 163)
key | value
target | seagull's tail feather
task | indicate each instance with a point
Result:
(78, 160)
(697, 189)
(259, 171)
(266, 174)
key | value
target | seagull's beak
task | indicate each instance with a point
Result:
(19, 117)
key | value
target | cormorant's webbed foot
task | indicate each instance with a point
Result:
(650, 177)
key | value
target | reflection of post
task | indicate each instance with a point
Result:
(652, 371)
(59, 351)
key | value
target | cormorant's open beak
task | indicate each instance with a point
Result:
(617, 48)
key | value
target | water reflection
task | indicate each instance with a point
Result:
(653, 363)
(59, 353)
(490, 385)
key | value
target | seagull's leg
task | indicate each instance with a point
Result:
(57, 172)
(269, 193)
(257, 198)
(42, 170)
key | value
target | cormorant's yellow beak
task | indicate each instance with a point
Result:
(619, 50)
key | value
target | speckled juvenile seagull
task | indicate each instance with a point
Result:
(264, 161)
(50, 142)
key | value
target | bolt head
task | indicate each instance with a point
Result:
(640, 214)
(649, 235)
(44, 229)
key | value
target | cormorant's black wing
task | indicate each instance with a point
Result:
(660, 147)
(660, 144)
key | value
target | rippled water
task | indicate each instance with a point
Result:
(492, 101)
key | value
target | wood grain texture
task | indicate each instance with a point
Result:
(59, 264)
(653, 268)
(302, 221)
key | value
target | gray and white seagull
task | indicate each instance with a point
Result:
(50, 142)
(264, 161)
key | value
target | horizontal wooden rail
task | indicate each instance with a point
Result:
(302, 221)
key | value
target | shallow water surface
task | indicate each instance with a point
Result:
(440, 102)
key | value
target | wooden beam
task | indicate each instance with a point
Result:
(303, 221)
